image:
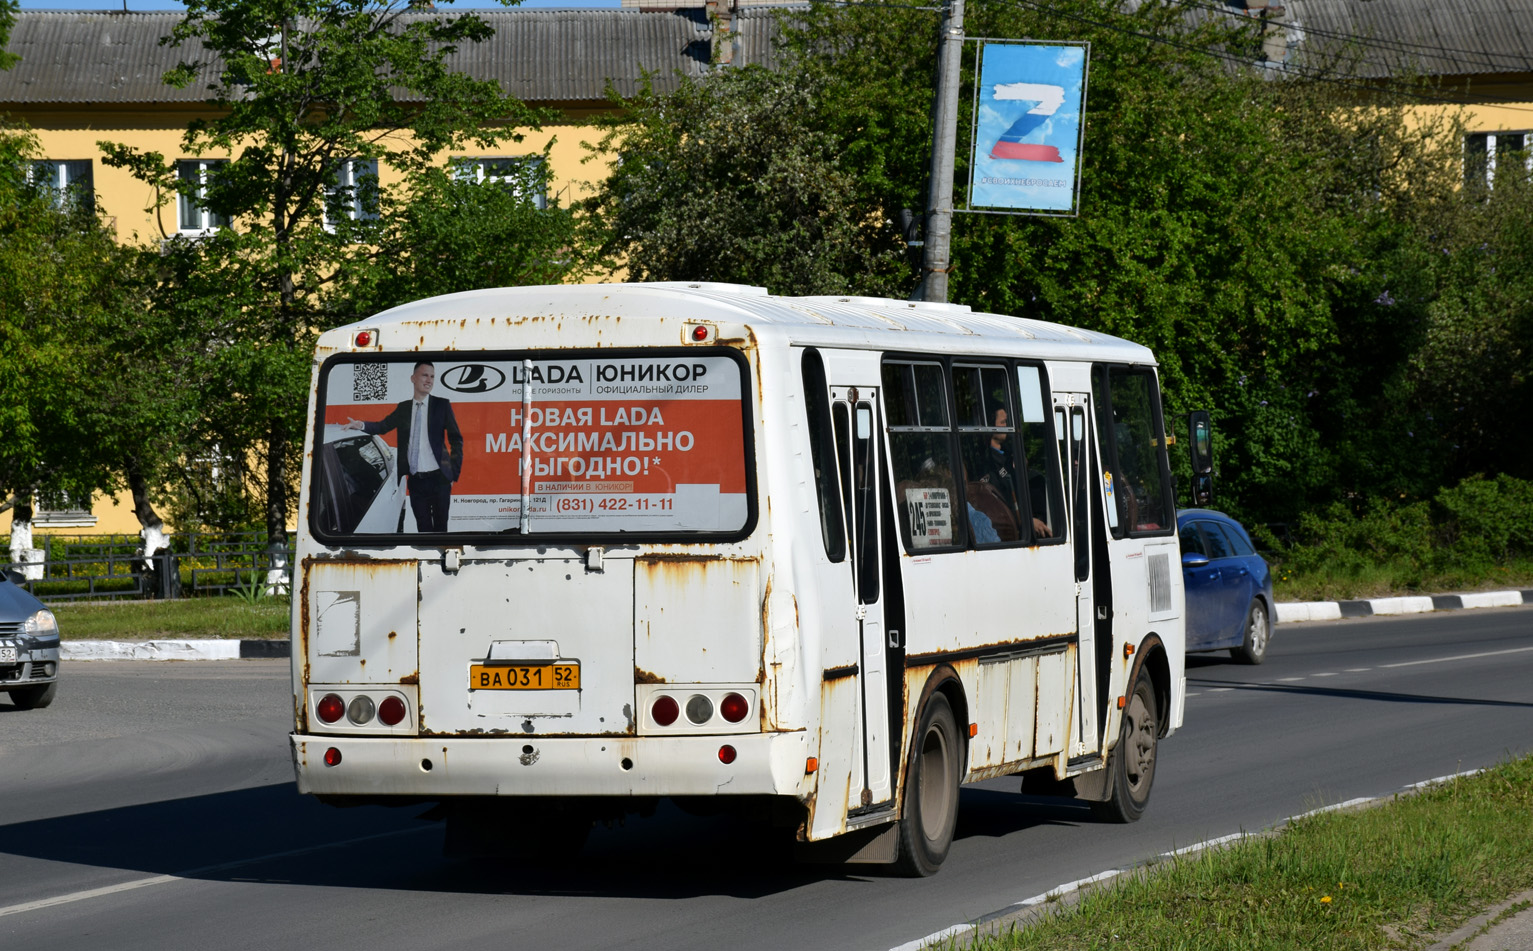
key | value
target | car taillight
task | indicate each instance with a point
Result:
(665, 711)
(331, 708)
(391, 711)
(734, 708)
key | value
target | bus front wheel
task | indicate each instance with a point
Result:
(931, 791)
(1131, 767)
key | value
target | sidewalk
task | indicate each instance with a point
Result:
(1287, 612)
(1506, 927)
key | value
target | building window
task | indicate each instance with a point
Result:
(68, 514)
(69, 182)
(524, 175)
(353, 192)
(1486, 152)
(193, 215)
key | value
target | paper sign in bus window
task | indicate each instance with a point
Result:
(931, 517)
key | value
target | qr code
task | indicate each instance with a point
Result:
(369, 381)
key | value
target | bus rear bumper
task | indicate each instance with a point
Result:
(764, 764)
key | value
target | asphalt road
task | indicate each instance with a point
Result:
(152, 807)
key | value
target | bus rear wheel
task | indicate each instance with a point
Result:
(1131, 767)
(931, 791)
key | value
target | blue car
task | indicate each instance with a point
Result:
(1229, 587)
(29, 647)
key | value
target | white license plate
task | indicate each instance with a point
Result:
(7, 654)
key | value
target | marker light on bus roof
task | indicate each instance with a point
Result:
(330, 708)
(665, 711)
(391, 711)
(734, 707)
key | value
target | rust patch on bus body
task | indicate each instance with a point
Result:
(642, 676)
(411, 680)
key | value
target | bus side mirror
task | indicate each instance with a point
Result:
(1200, 429)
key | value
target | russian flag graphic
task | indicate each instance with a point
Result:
(1046, 100)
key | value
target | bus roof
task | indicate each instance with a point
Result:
(827, 321)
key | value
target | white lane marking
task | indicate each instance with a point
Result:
(1220, 689)
(1289, 680)
(1189, 696)
(1358, 670)
(1332, 674)
(1443, 660)
(1058, 892)
(181, 876)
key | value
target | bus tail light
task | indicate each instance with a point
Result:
(734, 708)
(360, 709)
(727, 754)
(391, 711)
(332, 757)
(665, 710)
(699, 709)
(330, 708)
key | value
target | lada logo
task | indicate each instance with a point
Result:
(473, 378)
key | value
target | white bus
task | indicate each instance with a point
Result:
(820, 558)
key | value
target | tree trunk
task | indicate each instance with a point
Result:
(151, 528)
(21, 538)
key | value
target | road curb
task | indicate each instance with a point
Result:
(176, 649)
(1291, 611)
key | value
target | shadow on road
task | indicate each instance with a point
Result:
(1354, 694)
(273, 834)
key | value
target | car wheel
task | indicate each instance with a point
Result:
(33, 698)
(1258, 635)
(1131, 767)
(931, 791)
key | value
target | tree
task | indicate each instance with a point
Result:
(733, 178)
(67, 290)
(311, 98)
(1257, 229)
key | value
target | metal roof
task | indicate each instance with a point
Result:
(537, 55)
(1428, 37)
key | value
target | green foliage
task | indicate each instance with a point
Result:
(66, 288)
(1477, 532)
(1401, 874)
(733, 178)
(299, 88)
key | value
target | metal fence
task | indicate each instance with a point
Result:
(194, 564)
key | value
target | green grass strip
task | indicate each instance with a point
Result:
(1393, 876)
(187, 618)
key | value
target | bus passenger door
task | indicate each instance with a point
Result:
(1073, 423)
(855, 415)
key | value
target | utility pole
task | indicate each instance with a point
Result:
(939, 200)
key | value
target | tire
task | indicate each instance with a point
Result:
(1258, 635)
(1131, 766)
(34, 698)
(930, 814)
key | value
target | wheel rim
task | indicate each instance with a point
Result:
(1258, 630)
(935, 789)
(1139, 763)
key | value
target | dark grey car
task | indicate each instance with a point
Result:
(29, 647)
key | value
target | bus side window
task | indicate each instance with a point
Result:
(1040, 449)
(987, 445)
(921, 456)
(1140, 475)
(822, 454)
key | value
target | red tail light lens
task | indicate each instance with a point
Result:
(665, 711)
(726, 754)
(331, 708)
(734, 708)
(391, 711)
(332, 757)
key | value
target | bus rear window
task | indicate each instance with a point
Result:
(653, 444)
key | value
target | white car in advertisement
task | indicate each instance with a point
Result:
(359, 486)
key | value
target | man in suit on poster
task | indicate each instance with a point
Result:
(430, 448)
